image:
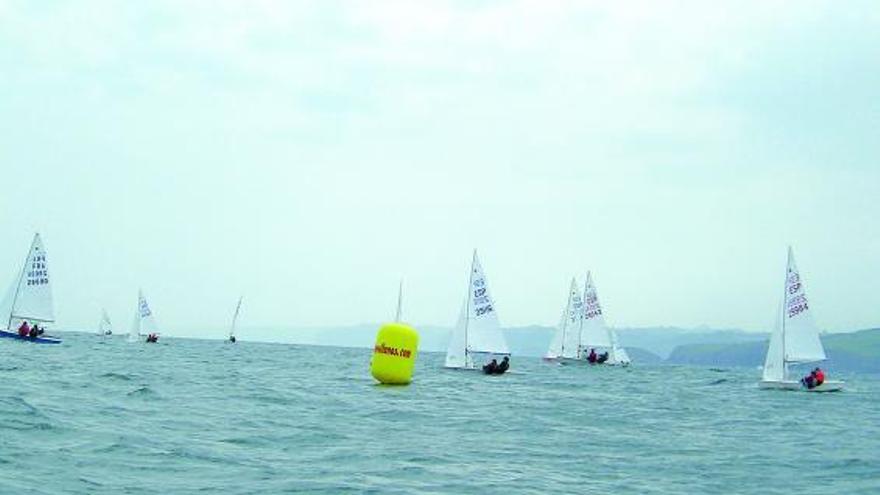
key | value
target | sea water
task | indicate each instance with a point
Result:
(189, 416)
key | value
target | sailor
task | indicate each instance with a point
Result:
(809, 381)
(232, 338)
(491, 367)
(602, 358)
(23, 330)
(592, 357)
(33, 332)
(504, 366)
(820, 376)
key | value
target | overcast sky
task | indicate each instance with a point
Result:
(308, 154)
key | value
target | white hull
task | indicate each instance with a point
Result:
(582, 361)
(827, 386)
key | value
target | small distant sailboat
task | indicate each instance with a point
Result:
(234, 320)
(595, 334)
(565, 344)
(795, 338)
(29, 298)
(144, 322)
(104, 326)
(477, 336)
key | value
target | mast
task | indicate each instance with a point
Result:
(782, 313)
(467, 307)
(18, 284)
(567, 316)
(399, 301)
(583, 308)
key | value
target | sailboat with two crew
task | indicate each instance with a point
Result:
(477, 338)
(582, 331)
(28, 302)
(795, 339)
(144, 322)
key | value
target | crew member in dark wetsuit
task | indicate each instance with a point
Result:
(491, 367)
(232, 338)
(504, 366)
(809, 381)
(33, 332)
(592, 357)
(602, 358)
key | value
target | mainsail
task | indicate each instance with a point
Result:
(774, 363)
(800, 335)
(795, 338)
(479, 328)
(566, 340)
(594, 332)
(30, 296)
(235, 318)
(144, 321)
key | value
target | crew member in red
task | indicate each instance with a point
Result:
(592, 357)
(820, 377)
(24, 329)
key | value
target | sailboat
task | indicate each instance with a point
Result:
(565, 344)
(29, 298)
(795, 338)
(477, 336)
(144, 321)
(104, 326)
(234, 320)
(595, 334)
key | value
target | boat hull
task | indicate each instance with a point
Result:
(827, 386)
(583, 362)
(36, 340)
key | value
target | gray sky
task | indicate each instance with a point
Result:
(308, 154)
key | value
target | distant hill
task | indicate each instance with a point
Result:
(857, 352)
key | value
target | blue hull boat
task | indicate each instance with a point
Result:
(43, 339)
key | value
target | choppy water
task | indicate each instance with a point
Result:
(189, 416)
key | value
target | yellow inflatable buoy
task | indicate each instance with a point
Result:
(394, 355)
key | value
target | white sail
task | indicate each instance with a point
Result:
(574, 324)
(774, 363)
(618, 355)
(800, 335)
(479, 330)
(483, 329)
(555, 349)
(594, 332)
(456, 355)
(146, 320)
(235, 318)
(31, 299)
(104, 326)
(567, 337)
